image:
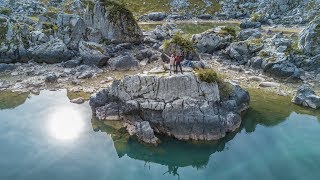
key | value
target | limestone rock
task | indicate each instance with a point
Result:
(178, 105)
(54, 51)
(306, 97)
(210, 41)
(93, 54)
(309, 38)
(126, 62)
(113, 22)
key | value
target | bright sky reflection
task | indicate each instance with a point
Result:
(65, 123)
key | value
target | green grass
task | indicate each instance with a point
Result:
(211, 76)
(140, 7)
(5, 11)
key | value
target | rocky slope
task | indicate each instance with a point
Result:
(180, 105)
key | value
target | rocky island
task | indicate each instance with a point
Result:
(118, 55)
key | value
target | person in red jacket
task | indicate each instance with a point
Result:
(177, 61)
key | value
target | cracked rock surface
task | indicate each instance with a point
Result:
(180, 105)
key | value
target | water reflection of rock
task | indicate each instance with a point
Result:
(9, 100)
(268, 109)
(170, 152)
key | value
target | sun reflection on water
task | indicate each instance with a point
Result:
(65, 123)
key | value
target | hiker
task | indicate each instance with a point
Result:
(172, 59)
(177, 61)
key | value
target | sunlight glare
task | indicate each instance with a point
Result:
(65, 124)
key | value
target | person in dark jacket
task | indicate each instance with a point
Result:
(177, 61)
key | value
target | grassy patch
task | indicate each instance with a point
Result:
(210, 76)
(228, 30)
(5, 11)
(255, 42)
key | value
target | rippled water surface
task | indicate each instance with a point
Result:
(46, 137)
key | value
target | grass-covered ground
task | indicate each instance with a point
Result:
(139, 7)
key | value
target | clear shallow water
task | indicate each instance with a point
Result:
(46, 137)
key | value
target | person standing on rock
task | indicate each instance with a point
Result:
(172, 65)
(177, 61)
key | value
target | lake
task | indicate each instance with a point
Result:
(47, 137)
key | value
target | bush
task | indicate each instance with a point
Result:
(180, 42)
(225, 31)
(5, 11)
(210, 76)
(255, 17)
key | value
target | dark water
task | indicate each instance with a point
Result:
(46, 137)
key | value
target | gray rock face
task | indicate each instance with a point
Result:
(306, 97)
(157, 16)
(178, 105)
(309, 38)
(242, 51)
(54, 51)
(283, 69)
(249, 24)
(249, 33)
(165, 31)
(210, 41)
(123, 63)
(71, 29)
(113, 22)
(143, 131)
(93, 54)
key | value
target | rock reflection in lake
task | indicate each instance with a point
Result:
(9, 100)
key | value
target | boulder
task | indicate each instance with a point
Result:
(211, 41)
(113, 21)
(180, 105)
(79, 100)
(283, 69)
(269, 84)
(249, 24)
(93, 54)
(7, 67)
(71, 29)
(123, 63)
(157, 16)
(51, 78)
(309, 38)
(143, 131)
(54, 51)
(306, 97)
(162, 32)
(241, 52)
(249, 33)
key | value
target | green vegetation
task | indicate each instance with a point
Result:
(294, 48)
(180, 42)
(228, 30)
(255, 42)
(255, 17)
(49, 28)
(5, 11)
(263, 54)
(210, 76)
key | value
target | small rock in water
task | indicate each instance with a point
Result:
(306, 97)
(282, 93)
(269, 84)
(79, 100)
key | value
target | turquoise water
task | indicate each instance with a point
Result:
(46, 137)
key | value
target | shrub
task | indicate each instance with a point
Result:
(255, 17)
(225, 31)
(5, 11)
(178, 40)
(263, 54)
(210, 76)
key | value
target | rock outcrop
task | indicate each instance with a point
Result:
(112, 21)
(210, 41)
(306, 97)
(180, 106)
(309, 38)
